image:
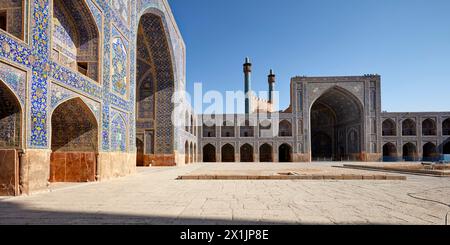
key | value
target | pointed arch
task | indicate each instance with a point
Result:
(285, 153)
(228, 153)
(209, 153)
(155, 71)
(429, 127)
(336, 117)
(186, 152)
(76, 37)
(285, 129)
(389, 152)
(10, 119)
(266, 153)
(191, 153)
(409, 128)
(227, 129)
(389, 127)
(430, 152)
(74, 143)
(246, 153)
(409, 152)
(246, 130)
(209, 130)
(118, 134)
(446, 127)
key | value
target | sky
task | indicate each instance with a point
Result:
(407, 42)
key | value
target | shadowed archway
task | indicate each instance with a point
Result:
(429, 127)
(446, 127)
(209, 153)
(430, 152)
(389, 128)
(155, 85)
(246, 153)
(409, 128)
(336, 126)
(186, 152)
(390, 152)
(75, 39)
(10, 141)
(285, 153)
(228, 153)
(74, 143)
(410, 152)
(266, 153)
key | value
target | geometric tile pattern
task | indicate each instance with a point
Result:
(74, 127)
(10, 118)
(15, 79)
(42, 80)
(157, 50)
(118, 134)
(119, 67)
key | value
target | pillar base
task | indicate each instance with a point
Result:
(34, 171)
(301, 157)
(161, 160)
(115, 164)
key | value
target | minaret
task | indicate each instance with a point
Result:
(271, 80)
(248, 84)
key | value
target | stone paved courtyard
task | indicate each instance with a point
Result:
(153, 196)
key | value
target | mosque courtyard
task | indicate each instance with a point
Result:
(157, 196)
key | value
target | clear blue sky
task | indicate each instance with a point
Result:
(407, 42)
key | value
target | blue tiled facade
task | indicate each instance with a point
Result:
(41, 83)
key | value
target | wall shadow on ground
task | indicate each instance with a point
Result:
(17, 214)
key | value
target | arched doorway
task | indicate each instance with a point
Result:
(429, 127)
(191, 157)
(265, 153)
(209, 130)
(186, 152)
(227, 130)
(76, 37)
(410, 152)
(323, 147)
(285, 153)
(155, 86)
(336, 123)
(195, 153)
(140, 152)
(228, 153)
(246, 130)
(10, 141)
(409, 128)
(430, 152)
(209, 153)
(390, 153)
(389, 128)
(285, 129)
(74, 143)
(446, 127)
(247, 153)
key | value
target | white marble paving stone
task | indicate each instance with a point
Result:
(155, 197)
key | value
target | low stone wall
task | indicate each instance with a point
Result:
(300, 157)
(73, 167)
(115, 164)
(34, 171)
(9, 173)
